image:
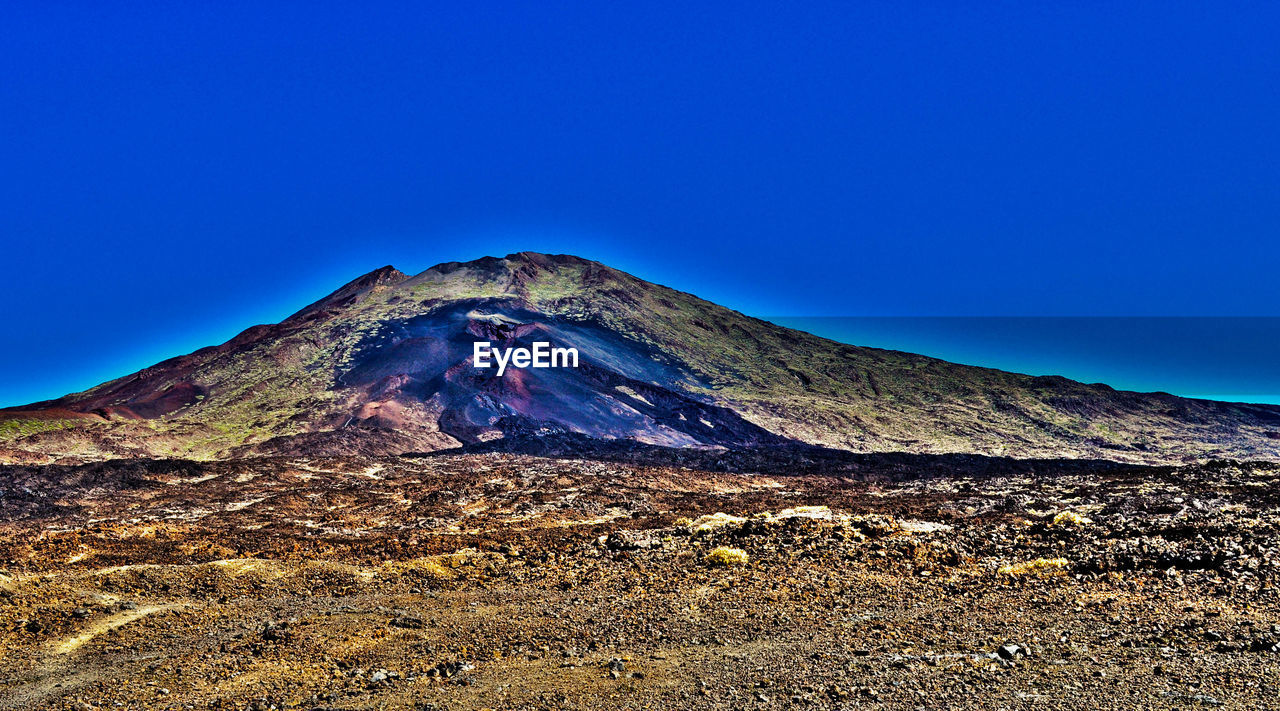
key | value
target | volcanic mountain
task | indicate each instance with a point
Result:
(384, 365)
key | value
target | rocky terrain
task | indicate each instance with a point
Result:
(383, 366)
(505, 581)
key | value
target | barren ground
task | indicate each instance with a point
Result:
(502, 581)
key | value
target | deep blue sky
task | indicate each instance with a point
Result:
(174, 172)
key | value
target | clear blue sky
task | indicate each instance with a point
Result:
(174, 172)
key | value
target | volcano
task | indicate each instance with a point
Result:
(384, 365)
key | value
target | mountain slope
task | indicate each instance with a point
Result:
(382, 365)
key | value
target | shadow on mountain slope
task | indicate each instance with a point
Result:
(795, 458)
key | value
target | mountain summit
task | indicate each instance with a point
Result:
(384, 365)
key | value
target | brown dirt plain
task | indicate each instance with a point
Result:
(511, 582)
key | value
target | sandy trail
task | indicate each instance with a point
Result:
(60, 674)
(105, 625)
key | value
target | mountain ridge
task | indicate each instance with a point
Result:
(380, 364)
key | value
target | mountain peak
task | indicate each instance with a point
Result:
(386, 271)
(352, 291)
(515, 259)
(519, 274)
(547, 260)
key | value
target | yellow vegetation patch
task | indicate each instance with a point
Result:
(1039, 566)
(725, 556)
(1070, 519)
(445, 566)
(710, 522)
(432, 567)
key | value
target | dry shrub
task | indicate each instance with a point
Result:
(446, 566)
(726, 556)
(710, 522)
(1040, 566)
(1070, 519)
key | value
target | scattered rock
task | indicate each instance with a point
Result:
(1012, 652)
